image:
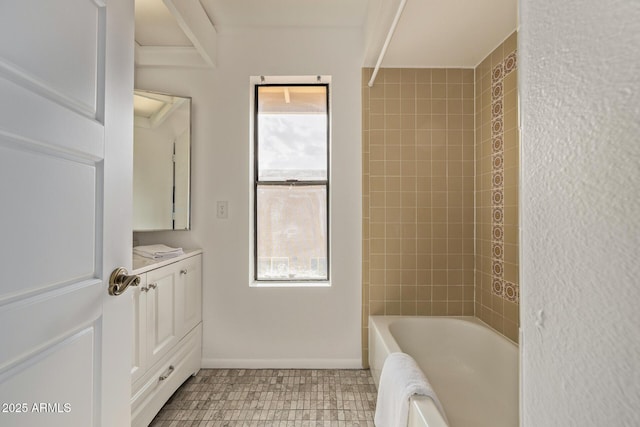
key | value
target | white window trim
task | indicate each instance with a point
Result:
(253, 81)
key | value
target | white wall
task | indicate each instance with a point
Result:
(580, 212)
(255, 327)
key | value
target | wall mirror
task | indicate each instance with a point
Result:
(161, 161)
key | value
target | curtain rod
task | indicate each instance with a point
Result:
(387, 41)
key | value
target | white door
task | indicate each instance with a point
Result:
(66, 81)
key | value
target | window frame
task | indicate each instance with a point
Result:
(289, 183)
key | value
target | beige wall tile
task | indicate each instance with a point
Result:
(408, 106)
(423, 92)
(391, 90)
(392, 308)
(439, 90)
(377, 91)
(427, 187)
(454, 75)
(510, 84)
(454, 90)
(408, 90)
(497, 56)
(408, 75)
(423, 308)
(454, 308)
(392, 75)
(439, 308)
(423, 75)
(468, 76)
(376, 106)
(390, 106)
(510, 44)
(438, 75)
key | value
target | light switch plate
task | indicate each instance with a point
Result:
(222, 209)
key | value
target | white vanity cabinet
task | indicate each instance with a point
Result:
(167, 339)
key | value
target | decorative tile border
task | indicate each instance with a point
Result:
(499, 286)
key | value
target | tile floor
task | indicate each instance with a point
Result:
(272, 398)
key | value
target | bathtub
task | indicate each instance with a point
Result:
(473, 370)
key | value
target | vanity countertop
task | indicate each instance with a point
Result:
(142, 264)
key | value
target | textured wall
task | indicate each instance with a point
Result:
(418, 183)
(580, 212)
(497, 158)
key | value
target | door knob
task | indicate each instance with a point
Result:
(120, 281)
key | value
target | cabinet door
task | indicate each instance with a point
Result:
(189, 304)
(162, 325)
(139, 348)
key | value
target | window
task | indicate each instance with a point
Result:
(291, 183)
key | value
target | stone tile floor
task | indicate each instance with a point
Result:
(272, 398)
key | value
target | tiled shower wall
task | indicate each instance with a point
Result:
(440, 177)
(418, 193)
(497, 160)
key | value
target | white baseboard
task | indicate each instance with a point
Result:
(281, 363)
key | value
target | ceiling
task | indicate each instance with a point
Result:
(155, 26)
(430, 33)
(296, 13)
(450, 33)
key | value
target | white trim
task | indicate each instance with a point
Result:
(275, 284)
(196, 25)
(280, 79)
(307, 79)
(212, 363)
(169, 56)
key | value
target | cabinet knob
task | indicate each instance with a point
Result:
(144, 289)
(152, 286)
(183, 271)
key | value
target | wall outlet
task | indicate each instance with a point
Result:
(222, 209)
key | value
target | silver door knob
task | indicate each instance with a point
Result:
(120, 280)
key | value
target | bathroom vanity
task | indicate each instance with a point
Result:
(167, 337)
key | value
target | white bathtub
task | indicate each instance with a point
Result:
(473, 370)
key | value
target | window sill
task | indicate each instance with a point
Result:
(323, 284)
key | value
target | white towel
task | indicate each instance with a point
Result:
(400, 379)
(157, 251)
